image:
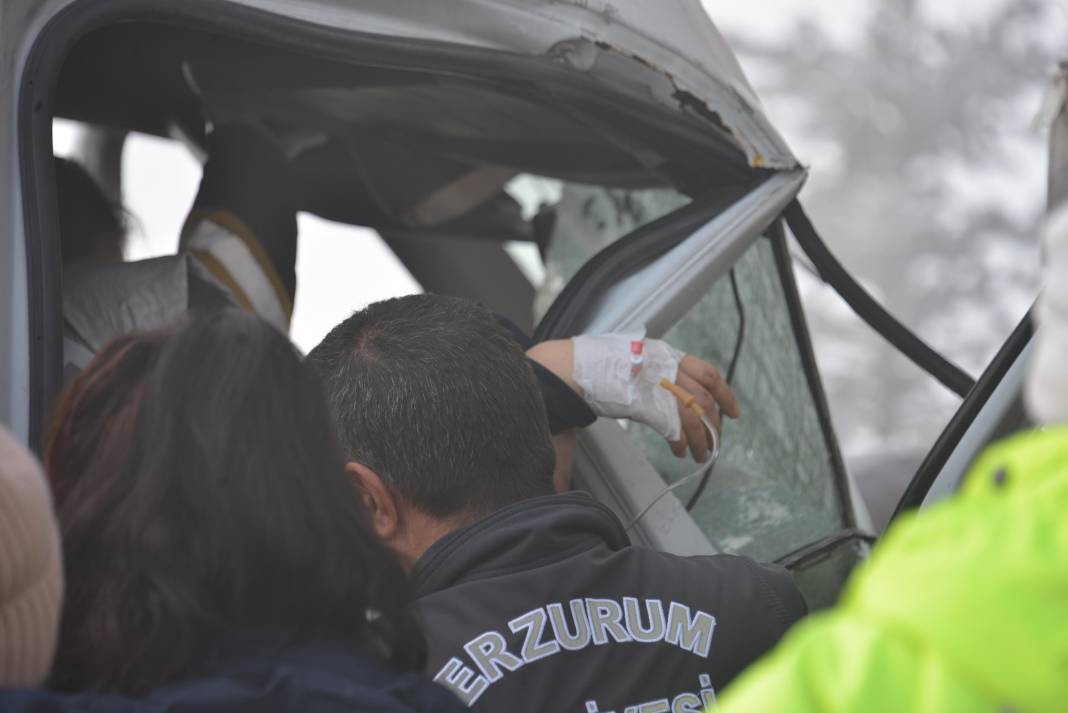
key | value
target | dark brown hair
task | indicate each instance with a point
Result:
(202, 496)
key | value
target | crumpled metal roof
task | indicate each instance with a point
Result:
(697, 69)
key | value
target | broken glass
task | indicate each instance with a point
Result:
(773, 489)
(589, 218)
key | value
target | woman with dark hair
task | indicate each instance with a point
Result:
(216, 556)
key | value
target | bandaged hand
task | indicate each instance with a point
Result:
(617, 384)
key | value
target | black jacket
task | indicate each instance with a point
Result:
(249, 676)
(545, 606)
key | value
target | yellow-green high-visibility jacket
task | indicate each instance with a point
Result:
(963, 607)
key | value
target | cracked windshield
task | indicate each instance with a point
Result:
(773, 489)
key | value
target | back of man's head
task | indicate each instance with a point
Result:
(433, 394)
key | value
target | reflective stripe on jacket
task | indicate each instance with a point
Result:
(238, 247)
(243, 226)
(963, 607)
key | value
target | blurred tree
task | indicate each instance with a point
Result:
(911, 131)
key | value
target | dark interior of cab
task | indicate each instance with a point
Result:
(422, 139)
(398, 131)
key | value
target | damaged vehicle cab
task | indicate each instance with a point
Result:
(619, 138)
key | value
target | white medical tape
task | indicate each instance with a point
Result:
(613, 388)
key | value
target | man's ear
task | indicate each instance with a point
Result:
(377, 498)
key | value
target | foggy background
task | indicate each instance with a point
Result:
(927, 180)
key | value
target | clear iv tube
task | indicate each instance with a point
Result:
(706, 467)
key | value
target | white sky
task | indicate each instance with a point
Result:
(844, 19)
(774, 18)
(1014, 184)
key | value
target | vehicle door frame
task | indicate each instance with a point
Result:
(993, 409)
(626, 287)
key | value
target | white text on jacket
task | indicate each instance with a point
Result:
(580, 623)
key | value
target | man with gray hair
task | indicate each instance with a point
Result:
(533, 600)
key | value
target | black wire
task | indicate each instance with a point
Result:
(868, 309)
(730, 379)
(741, 328)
